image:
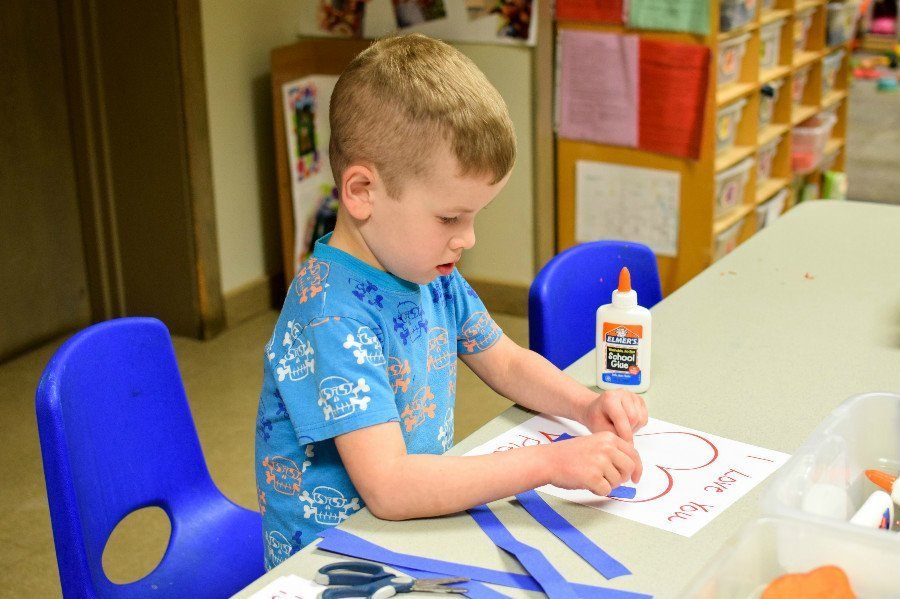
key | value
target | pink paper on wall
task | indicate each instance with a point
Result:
(598, 87)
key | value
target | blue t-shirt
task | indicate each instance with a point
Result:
(354, 346)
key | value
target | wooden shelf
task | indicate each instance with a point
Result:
(798, 115)
(833, 97)
(804, 4)
(723, 37)
(772, 131)
(733, 92)
(773, 15)
(769, 188)
(802, 59)
(774, 73)
(732, 156)
(834, 144)
(732, 217)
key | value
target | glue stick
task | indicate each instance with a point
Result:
(623, 340)
(876, 512)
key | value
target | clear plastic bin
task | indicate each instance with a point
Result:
(860, 434)
(809, 142)
(765, 157)
(731, 57)
(771, 547)
(727, 240)
(841, 22)
(727, 120)
(767, 5)
(771, 209)
(828, 160)
(735, 13)
(798, 85)
(831, 64)
(768, 97)
(802, 23)
(730, 186)
(770, 44)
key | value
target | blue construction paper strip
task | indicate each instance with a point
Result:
(345, 543)
(576, 540)
(553, 583)
(474, 589)
(622, 491)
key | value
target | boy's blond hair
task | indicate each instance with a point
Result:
(402, 95)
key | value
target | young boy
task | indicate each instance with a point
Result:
(360, 373)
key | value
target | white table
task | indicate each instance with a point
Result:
(759, 348)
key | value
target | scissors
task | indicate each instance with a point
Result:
(372, 581)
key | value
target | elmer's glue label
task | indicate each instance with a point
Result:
(623, 340)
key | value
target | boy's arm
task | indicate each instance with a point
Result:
(398, 486)
(531, 381)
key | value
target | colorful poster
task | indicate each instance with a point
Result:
(691, 16)
(300, 124)
(342, 17)
(598, 11)
(515, 18)
(690, 477)
(413, 12)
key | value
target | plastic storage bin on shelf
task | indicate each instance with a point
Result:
(841, 22)
(767, 5)
(831, 64)
(727, 240)
(824, 482)
(731, 57)
(771, 547)
(798, 85)
(727, 120)
(735, 13)
(730, 186)
(768, 211)
(770, 44)
(802, 23)
(809, 142)
(828, 160)
(768, 97)
(765, 158)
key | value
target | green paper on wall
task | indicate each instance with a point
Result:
(691, 16)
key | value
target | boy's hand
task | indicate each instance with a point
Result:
(615, 410)
(599, 463)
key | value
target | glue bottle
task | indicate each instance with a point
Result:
(623, 340)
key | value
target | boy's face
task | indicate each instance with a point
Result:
(422, 234)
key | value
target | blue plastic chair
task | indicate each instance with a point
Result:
(116, 436)
(565, 295)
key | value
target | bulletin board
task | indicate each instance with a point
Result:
(306, 58)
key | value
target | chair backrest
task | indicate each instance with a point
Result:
(116, 435)
(565, 295)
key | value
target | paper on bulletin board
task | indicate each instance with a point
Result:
(380, 19)
(690, 16)
(305, 103)
(597, 95)
(689, 478)
(627, 203)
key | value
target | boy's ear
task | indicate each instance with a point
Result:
(358, 183)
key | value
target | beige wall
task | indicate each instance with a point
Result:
(237, 38)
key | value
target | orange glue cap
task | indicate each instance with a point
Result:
(882, 479)
(624, 280)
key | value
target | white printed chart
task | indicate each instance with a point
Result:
(690, 477)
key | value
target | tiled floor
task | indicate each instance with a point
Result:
(222, 378)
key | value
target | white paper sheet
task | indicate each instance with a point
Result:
(690, 477)
(289, 587)
(627, 203)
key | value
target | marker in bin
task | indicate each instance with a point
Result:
(886, 482)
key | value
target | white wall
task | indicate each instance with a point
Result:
(238, 37)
